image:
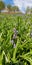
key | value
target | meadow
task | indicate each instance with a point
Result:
(18, 50)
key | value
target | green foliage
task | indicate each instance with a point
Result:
(21, 54)
(15, 8)
(12, 8)
(2, 5)
(9, 7)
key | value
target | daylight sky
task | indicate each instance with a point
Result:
(22, 4)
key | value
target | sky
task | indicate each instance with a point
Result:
(22, 4)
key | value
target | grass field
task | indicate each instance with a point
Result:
(19, 52)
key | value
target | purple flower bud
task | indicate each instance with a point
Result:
(14, 45)
(12, 41)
